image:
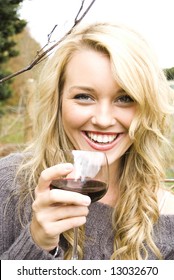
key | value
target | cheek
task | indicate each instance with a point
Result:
(69, 119)
(125, 117)
(72, 117)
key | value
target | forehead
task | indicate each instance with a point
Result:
(87, 57)
(89, 66)
(88, 62)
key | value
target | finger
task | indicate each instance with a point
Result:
(62, 212)
(66, 212)
(63, 225)
(56, 197)
(68, 197)
(52, 173)
(67, 224)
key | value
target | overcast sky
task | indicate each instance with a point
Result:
(153, 18)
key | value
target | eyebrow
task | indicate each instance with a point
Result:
(120, 90)
(82, 88)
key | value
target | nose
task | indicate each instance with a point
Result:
(103, 116)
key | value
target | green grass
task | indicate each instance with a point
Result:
(12, 128)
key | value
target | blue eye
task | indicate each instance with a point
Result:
(83, 97)
(124, 99)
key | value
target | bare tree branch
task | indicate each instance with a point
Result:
(49, 35)
(81, 8)
(41, 54)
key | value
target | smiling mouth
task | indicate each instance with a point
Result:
(101, 138)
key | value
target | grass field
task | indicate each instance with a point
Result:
(12, 129)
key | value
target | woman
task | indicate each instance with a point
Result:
(102, 90)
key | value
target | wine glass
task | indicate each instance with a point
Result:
(89, 177)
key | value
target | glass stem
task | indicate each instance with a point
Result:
(75, 244)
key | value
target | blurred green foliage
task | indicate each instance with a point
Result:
(169, 72)
(10, 24)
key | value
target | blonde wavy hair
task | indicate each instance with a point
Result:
(136, 70)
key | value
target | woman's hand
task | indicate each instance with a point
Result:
(55, 210)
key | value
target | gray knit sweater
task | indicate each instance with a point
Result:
(16, 242)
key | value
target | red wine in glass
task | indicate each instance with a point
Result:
(89, 177)
(93, 188)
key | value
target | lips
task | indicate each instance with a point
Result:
(101, 141)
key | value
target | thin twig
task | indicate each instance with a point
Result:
(50, 34)
(81, 8)
(42, 54)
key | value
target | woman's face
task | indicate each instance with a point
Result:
(96, 112)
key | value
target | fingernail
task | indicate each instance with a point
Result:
(69, 166)
(86, 200)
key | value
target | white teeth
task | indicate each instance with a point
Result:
(101, 138)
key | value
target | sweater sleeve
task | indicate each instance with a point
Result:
(23, 248)
(16, 242)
